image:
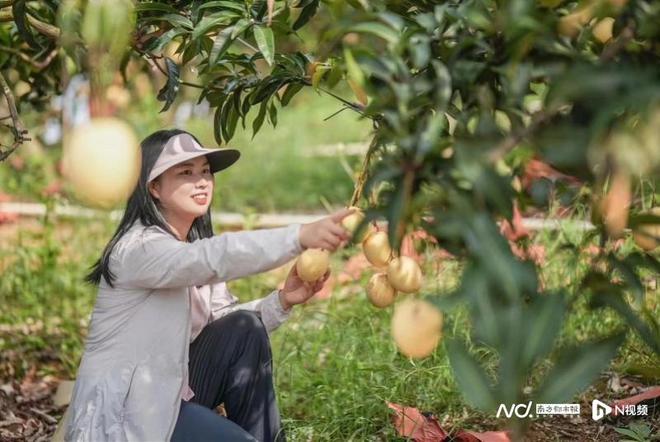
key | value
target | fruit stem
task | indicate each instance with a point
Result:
(362, 178)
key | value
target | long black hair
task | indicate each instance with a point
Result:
(143, 206)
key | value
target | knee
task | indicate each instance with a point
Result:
(248, 322)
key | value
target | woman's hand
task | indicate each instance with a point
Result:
(326, 233)
(297, 291)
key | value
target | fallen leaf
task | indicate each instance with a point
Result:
(353, 268)
(487, 436)
(514, 230)
(651, 393)
(536, 169)
(410, 422)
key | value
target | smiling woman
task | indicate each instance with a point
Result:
(167, 341)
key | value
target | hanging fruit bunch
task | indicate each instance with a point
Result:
(101, 158)
(416, 324)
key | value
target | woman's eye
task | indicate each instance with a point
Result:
(207, 170)
(186, 172)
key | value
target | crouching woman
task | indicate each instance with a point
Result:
(167, 341)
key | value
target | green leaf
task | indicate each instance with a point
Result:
(291, 90)
(577, 369)
(19, 11)
(272, 113)
(354, 71)
(208, 23)
(307, 13)
(380, 30)
(259, 120)
(240, 27)
(543, 323)
(159, 43)
(229, 117)
(217, 125)
(224, 5)
(265, 42)
(177, 20)
(169, 92)
(155, 7)
(471, 377)
(649, 333)
(629, 433)
(220, 45)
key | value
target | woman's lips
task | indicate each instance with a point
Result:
(200, 199)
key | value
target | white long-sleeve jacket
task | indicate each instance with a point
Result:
(129, 382)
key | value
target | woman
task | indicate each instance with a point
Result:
(167, 341)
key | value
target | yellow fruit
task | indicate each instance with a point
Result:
(571, 24)
(379, 291)
(647, 236)
(312, 264)
(102, 162)
(404, 274)
(118, 96)
(603, 30)
(352, 221)
(616, 204)
(377, 249)
(416, 327)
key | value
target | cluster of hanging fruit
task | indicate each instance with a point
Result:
(416, 324)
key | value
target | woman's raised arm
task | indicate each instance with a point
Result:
(154, 259)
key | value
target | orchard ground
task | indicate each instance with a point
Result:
(335, 363)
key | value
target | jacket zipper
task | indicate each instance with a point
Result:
(177, 405)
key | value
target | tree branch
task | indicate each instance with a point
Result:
(46, 29)
(36, 64)
(17, 129)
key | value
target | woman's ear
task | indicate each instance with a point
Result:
(154, 189)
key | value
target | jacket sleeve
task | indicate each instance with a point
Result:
(268, 308)
(154, 259)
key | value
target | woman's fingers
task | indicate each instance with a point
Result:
(338, 231)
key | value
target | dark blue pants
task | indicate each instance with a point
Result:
(230, 362)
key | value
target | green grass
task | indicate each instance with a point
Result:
(335, 363)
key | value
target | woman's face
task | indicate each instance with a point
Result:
(184, 190)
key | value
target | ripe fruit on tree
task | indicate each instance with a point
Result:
(603, 29)
(102, 162)
(404, 274)
(416, 327)
(352, 221)
(379, 291)
(571, 24)
(376, 247)
(647, 236)
(312, 264)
